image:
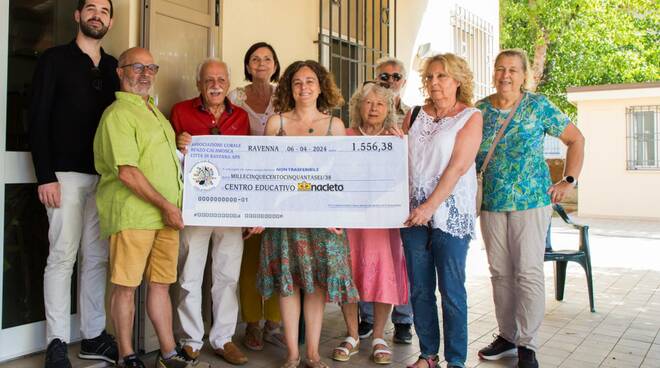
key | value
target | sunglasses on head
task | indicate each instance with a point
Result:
(378, 83)
(386, 77)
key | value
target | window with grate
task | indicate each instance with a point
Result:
(353, 35)
(643, 137)
(474, 41)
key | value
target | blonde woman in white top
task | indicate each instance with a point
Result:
(261, 68)
(443, 142)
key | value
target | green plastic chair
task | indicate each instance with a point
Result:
(562, 257)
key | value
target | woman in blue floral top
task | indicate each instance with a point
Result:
(517, 198)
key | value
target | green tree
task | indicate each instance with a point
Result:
(584, 42)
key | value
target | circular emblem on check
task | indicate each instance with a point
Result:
(204, 175)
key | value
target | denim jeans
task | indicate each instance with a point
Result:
(400, 313)
(432, 254)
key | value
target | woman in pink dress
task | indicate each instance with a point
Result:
(377, 261)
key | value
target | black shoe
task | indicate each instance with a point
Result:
(498, 349)
(57, 355)
(402, 333)
(365, 329)
(102, 347)
(131, 361)
(527, 358)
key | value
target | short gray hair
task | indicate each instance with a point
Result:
(207, 61)
(380, 91)
(391, 61)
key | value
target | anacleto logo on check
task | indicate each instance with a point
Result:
(304, 186)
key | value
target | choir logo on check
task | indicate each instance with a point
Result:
(204, 175)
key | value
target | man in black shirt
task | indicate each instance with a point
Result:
(72, 85)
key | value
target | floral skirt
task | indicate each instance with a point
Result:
(306, 259)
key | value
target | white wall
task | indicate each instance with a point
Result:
(428, 21)
(607, 188)
(125, 30)
(290, 26)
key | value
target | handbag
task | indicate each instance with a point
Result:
(489, 155)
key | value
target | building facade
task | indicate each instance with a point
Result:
(348, 36)
(621, 125)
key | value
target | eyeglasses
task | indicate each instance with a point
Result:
(386, 77)
(97, 78)
(378, 83)
(139, 68)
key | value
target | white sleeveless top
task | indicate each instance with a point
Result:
(430, 146)
(257, 120)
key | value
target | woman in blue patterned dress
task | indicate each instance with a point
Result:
(517, 197)
(442, 143)
(311, 261)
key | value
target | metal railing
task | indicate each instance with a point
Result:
(643, 137)
(353, 35)
(474, 41)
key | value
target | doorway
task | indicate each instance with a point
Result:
(179, 34)
(34, 26)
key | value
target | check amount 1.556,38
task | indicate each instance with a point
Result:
(372, 146)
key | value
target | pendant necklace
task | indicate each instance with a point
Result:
(310, 130)
(380, 131)
(215, 130)
(438, 118)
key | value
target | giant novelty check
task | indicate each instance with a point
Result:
(348, 182)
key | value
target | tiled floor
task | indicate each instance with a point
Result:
(624, 331)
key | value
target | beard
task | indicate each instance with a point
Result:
(139, 85)
(95, 33)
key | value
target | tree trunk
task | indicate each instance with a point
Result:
(538, 64)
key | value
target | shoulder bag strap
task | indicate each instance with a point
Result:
(499, 135)
(413, 115)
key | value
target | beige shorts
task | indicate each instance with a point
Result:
(152, 253)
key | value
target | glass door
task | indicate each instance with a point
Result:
(33, 26)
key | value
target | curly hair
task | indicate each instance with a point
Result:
(359, 96)
(330, 97)
(524, 60)
(458, 69)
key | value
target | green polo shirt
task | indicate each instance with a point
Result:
(131, 134)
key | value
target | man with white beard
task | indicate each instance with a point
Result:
(210, 113)
(139, 198)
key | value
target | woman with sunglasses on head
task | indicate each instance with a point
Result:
(315, 262)
(378, 265)
(261, 68)
(443, 141)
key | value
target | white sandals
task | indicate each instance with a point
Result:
(383, 355)
(342, 354)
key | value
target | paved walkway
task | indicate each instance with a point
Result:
(624, 331)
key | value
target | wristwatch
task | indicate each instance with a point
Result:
(569, 179)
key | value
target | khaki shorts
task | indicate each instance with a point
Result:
(132, 250)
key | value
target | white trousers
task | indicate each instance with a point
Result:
(515, 245)
(73, 226)
(227, 253)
